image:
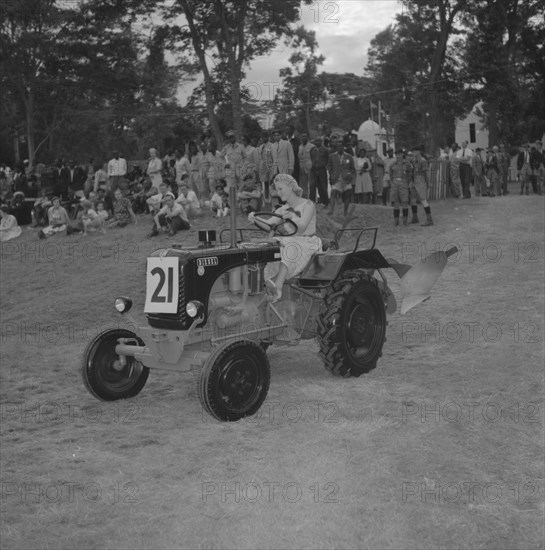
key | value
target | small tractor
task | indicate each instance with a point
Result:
(208, 309)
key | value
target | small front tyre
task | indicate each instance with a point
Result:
(104, 375)
(235, 380)
(352, 325)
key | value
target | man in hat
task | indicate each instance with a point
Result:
(171, 217)
(234, 154)
(420, 184)
(318, 179)
(400, 171)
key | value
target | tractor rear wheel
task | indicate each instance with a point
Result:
(104, 375)
(235, 380)
(352, 325)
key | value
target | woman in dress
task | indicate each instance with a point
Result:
(123, 212)
(9, 229)
(297, 250)
(363, 189)
(58, 219)
(155, 166)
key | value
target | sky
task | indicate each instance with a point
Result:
(344, 30)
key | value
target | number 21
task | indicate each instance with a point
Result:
(170, 285)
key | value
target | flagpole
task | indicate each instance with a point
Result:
(371, 107)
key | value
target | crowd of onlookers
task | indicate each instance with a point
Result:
(195, 181)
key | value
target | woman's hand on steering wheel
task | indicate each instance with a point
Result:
(284, 228)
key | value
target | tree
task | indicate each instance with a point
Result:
(302, 88)
(504, 62)
(225, 36)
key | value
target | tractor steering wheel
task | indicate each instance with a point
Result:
(284, 228)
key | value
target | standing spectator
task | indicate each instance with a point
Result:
(77, 178)
(266, 165)
(535, 162)
(420, 184)
(172, 217)
(464, 156)
(90, 181)
(377, 175)
(195, 179)
(341, 175)
(62, 180)
(363, 185)
(492, 167)
(234, 155)
(155, 165)
(181, 166)
(505, 163)
(101, 178)
(388, 161)
(282, 152)
(477, 166)
(117, 173)
(250, 166)
(399, 174)
(58, 219)
(523, 167)
(212, 167)
(454, 171)
(318, 179)
(9, 229)
(295, 143)
(306, 154)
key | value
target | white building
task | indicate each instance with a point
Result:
(371, 132)
(471, 129)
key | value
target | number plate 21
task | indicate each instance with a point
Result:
(162, 285)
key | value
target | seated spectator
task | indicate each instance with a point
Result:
(58, 219)
(90, 220)
(219, 203)
(104, 197)
(5, 188)
(9, 229)
(21, 209)
(249, 195)
(155, 201)
(41, 204)
(189, 200)
(101, 211)
(171, 217)
(123, 212)
(142, 191)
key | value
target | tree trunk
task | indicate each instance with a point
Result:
(29, 107)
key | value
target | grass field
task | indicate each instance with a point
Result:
(441, 446)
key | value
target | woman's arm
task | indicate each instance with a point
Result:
(308, 213)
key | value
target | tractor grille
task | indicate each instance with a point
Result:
(172, 321)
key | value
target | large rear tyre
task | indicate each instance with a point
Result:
(235, 380)
(352, 325)
(104, 375)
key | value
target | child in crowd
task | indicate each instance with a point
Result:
(102, 213)
(342, 173)
(90, 219)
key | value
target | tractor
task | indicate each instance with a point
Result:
(208, 309)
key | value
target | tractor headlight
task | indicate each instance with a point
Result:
(123, 304)
(194, 308)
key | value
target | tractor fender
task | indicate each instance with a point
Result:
(325, 268)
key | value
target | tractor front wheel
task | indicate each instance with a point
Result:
(105, 375)
(235, 380)
(352, 325)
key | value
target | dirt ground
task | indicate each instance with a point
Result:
(441, 446)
